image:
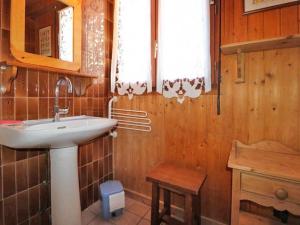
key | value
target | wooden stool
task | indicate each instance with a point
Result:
(186, 182)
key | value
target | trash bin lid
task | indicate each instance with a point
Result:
(111, 187)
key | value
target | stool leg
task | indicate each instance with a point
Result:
(235, 201)
(188, 214)
(197, 209)
(155, 205)
(167, 201)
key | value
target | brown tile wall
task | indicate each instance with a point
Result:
(24, 175)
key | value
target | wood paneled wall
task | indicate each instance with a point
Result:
(267, 106)
(266, 24)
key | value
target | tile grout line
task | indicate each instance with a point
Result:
(141, 218)
(2, 185)
(16, 194)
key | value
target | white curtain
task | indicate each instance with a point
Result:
(131, 61)
(184, 67)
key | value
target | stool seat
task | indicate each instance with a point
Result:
(181, 180)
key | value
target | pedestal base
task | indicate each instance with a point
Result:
(65, 198)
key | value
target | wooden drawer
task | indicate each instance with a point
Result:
(269, 187)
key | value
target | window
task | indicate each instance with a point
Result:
(183, 64)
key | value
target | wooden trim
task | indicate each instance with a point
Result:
(268, 8)
(251, 219)
(270, 202)
(44, 68)
(235, 197)
(154, 37)
(261, 45)
(215, 13)
(17, 24)
(17, 38)
(170, 220)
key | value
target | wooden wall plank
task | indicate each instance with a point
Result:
(282, 95)
(228, 25)
(255, 26)
(271, 22)
(255, 72)
(240, 113)
(265, 107)
(240, 22)
(298, 110)
(299, 18)
(288, 17)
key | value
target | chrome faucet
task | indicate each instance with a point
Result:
(57, 110)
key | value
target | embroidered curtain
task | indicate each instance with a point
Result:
(131, 61)
(184, 67)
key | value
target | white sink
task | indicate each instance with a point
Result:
(62, 138)
(69, 132)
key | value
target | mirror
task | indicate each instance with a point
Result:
(49, 29)
(47, 33)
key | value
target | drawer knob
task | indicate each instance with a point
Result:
(281, 194)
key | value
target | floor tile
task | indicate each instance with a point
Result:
(138, 209)
(135, 213)
(144, 222)
(129, 202)
(178, 214)
(99, 221)
(96, 207)
(127, 218)
(87, 216)
(148, 215)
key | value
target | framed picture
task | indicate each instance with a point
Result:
(45, 41)
(251, 6)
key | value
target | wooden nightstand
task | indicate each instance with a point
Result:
(266, 173)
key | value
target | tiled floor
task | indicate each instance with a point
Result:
(135, 213)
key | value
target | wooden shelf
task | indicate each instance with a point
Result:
(60, 71)
(261, 45)
(241, 48)
(251, 219)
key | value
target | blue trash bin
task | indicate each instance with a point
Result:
(113, 198)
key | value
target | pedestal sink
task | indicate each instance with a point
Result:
(62, 138)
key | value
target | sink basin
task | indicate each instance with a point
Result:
(62, 138)
(69, 132)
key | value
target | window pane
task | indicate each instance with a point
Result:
(131, 63)
(184, 41)
(134, 41)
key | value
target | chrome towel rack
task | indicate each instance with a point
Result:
(135, 120)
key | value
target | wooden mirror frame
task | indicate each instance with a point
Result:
(17, 38)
